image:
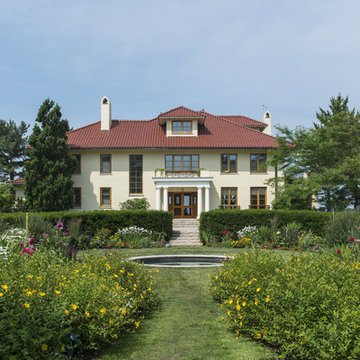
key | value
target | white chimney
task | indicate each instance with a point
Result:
(105, 113)
(267, 120)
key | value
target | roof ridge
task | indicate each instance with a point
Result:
(246, 117)
(179, 107)
(83, 127)
(243, 126)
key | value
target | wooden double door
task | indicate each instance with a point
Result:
(183, 204)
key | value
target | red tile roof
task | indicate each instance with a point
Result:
(243, 120)
(217, 133)
(16, 181)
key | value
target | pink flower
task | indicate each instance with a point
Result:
(352, 239)
(359, 228)
(339, 251)
(31, 241)
(22, 245)
(46, 235)
(23, 251)
(59, 225)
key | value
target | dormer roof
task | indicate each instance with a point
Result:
(181, 112)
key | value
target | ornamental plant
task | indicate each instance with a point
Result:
(45, 302)
(306, 307)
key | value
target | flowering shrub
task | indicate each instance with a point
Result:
(247, 231)
(43, 302)
(135, 237)
(306, 307)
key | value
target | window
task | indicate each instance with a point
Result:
(105, 164)
(228, 163)
(77, 169)
(181, 127)
(77, 198)
(258, 198)
(105, 197)
(258, 163)
(136, 174)
(185, 163)
(229, 198)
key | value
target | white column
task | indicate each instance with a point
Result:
(165, 199)
(158, 198)
(207, 198)
(199, 202)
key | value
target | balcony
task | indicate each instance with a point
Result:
(180, 174)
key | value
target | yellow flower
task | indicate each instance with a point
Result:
(1, 294)
(62, 348)
(258, 290)
(244, 304)
(137, 324)
(116, 275)
(238, 307)
(27, 305)
(240, 323)
(74, 306)
(123, 311)
(30, 276)
(230, 301)
(256, 303)
(87, 314)
(44, 347)
(28, 293)
(66, 312)
(42, 294)
(111, 322)
(250, 282)
(267, 299)
(103, 311)
(5, 287)
(258, 336)
(57, 292)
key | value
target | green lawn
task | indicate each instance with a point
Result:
(188, 324)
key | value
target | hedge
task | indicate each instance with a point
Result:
(216, 221)
(92, 221)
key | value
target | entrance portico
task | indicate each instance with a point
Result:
(193, 190)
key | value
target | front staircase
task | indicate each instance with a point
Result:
(185, 233)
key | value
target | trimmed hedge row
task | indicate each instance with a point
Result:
(92, 221)
(217, 220)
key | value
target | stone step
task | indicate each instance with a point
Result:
(185, 243)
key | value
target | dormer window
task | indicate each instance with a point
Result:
(181, 127)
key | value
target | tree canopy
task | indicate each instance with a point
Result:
(323, 161)
(13, 142)
(48, 184)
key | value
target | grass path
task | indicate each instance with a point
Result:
(187, 326)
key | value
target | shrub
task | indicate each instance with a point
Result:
(92, 221)
(306, 306)
(217, 220)
(43, 302)
(135, 204)
(341, 227)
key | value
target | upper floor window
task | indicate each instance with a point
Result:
(258, 198)
(105, 164)
(136, 174)
(258, 163)
(77, 169)
(228, 163)
(182, 162)
(181, 127)
(77, 198)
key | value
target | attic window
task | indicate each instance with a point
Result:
(105, 101)
(182, 127)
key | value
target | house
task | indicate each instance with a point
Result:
(184, 161)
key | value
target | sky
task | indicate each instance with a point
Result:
(228, 57)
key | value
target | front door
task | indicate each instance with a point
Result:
(183, 205)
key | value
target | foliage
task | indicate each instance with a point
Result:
(135, 204)
(44, 302)
(12, 149)
(305, 307)
(92, 221)
(7, 199)
(341, 227)
(48, 185)
(215, 221)
(100, 239)
(326, 154)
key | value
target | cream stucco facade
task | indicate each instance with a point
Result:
(156, 187)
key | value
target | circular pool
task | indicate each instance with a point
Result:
(181, 261)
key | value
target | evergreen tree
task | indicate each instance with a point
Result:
(12, 149)
(327, 157)
(48, 184)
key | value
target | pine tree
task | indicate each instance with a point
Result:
(12, 149)
(48, 184)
